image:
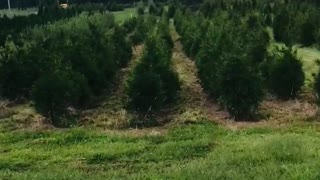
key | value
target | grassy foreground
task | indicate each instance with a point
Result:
(198, 151)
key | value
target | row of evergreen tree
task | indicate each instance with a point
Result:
(64, 64)
(12, 27)
(70, 62)
(21, 4)
(234, 65)
(296, 23)
(293, 21)
(153, 83)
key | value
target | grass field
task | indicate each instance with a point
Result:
(123, 15)
(16, 12)
(199, 151)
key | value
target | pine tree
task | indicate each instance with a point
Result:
(153, 83)
(287, 76)
(241, 90)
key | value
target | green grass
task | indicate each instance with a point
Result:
(309, 57)
(201, 151)
(16, 12)
(121, 16)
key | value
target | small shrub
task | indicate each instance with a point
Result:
(130, 24)
(317, 86)
(241, 90)
(140, 10)
(153, 83)
(123, 49)
(171, 11)
(208, 61)
(55, 92)
(141, 31)
(268, 19)
(287, 76)
(308, 31)
(281, 26)
(153, 10)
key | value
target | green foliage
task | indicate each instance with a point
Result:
(143, 27)
(281, 26)
(296, 23)
(228, 58)
(308, 30)
(55, 92)
(91, 48)
(208, 62)
(153, 83)
(171, 11)
(153, 10)
(130, 25)
(193, 29)
(122, 46)
(163, 31)
(269, 20)
(241, 91)
(140, 10)
(13, 73)
(317, 86)
(258, 44)
(287, 76)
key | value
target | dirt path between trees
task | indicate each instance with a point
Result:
(194, 103)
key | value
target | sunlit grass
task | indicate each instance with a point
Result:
(309, 57)
(121, 16)
(17, 12)
(199, 151)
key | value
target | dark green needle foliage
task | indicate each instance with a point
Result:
(153, 83)
(241, 91)
(54, 92)
(317, 85)
(287, 76)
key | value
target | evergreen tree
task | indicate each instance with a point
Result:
(287, 76)
(317, 86)
(241, 90)
(153, 83)
(54, 92)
